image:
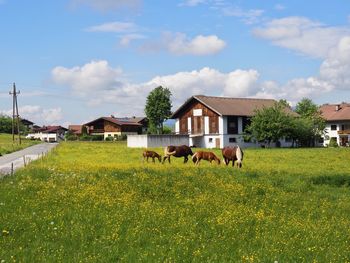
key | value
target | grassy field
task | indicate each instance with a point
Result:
(97, 202)
(7, 146)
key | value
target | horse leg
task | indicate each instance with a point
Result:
(164, 158)
(147, 158)
(153, 160)
(185, 159)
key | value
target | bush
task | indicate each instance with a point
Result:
(97, 137)
(109, 138)
(333, 142)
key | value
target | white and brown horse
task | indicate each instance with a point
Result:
(177, 151)
(233, 154)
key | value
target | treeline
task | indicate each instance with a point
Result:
(304, 128)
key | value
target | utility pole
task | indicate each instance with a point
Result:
(15, 115)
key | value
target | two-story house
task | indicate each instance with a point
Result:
(216, 122)
(337, 118)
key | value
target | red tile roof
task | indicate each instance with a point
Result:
(336, 112)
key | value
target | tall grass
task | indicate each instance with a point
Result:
(8, 146)
(98, 202)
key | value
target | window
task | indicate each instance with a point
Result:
(334, 127)
(232, 125)
(210, 139)
(109, 135)
(231, 140)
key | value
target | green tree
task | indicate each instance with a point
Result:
(271, 123)
(312, 119)
(158, 108)
(5, 124)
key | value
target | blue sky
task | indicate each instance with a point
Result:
(76, 60)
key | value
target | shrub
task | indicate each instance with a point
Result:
(109, 138)
(333, 142)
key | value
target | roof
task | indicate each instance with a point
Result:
(336, 112)
(231, 106)
(115, 121)
(26, 122)
(132, 119)
(77, 129)
(50, 129)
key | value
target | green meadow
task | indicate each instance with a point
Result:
(98, 202)
(7, 145)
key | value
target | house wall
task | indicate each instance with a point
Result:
(329, 133)
(187, 119)
(147, 141)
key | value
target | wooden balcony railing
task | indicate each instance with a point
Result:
(344, 132)
(97, 131)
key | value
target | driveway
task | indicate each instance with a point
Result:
(26, 155)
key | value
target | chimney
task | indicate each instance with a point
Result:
(337, 107)
(112, 116)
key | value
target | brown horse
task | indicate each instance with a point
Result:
(233, 154)
(177, 151)
(208, 156)
(151, 154)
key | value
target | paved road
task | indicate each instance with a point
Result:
(17, 158)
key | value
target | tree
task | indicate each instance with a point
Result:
(271, 123)
(158, 108)
(311, 117)
(5, 124)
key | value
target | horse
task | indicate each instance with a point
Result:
(177, 151)
(151, 154)
(208, 156)
(233, 154)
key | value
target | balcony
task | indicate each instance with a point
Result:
(96, 131)
(344, 132)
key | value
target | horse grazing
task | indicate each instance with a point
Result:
(233, 154)
(151, 154)
(208, 156)
(177, 151)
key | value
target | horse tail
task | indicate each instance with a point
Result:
(194, 157)
(167, 153)
(239, 155)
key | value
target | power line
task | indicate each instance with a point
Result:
(15, 114)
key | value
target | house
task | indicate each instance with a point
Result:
(337, 118)
(28, 124)
(76, 129)
(48, 134)
(112, 127)
(216, 122)
(141, 120)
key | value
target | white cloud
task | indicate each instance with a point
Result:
(249, 17)
(126, 39)
(115, 27)
(208, 81)
(279, 7)
(52, 115)
(38, 115)
(107, 5)
(335, 69)
(301, 34)
(192, 2)
(95, 76)
(180, 44)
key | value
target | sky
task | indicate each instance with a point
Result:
(77, 60)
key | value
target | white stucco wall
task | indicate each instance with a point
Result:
(177, 126)
(149, 141)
